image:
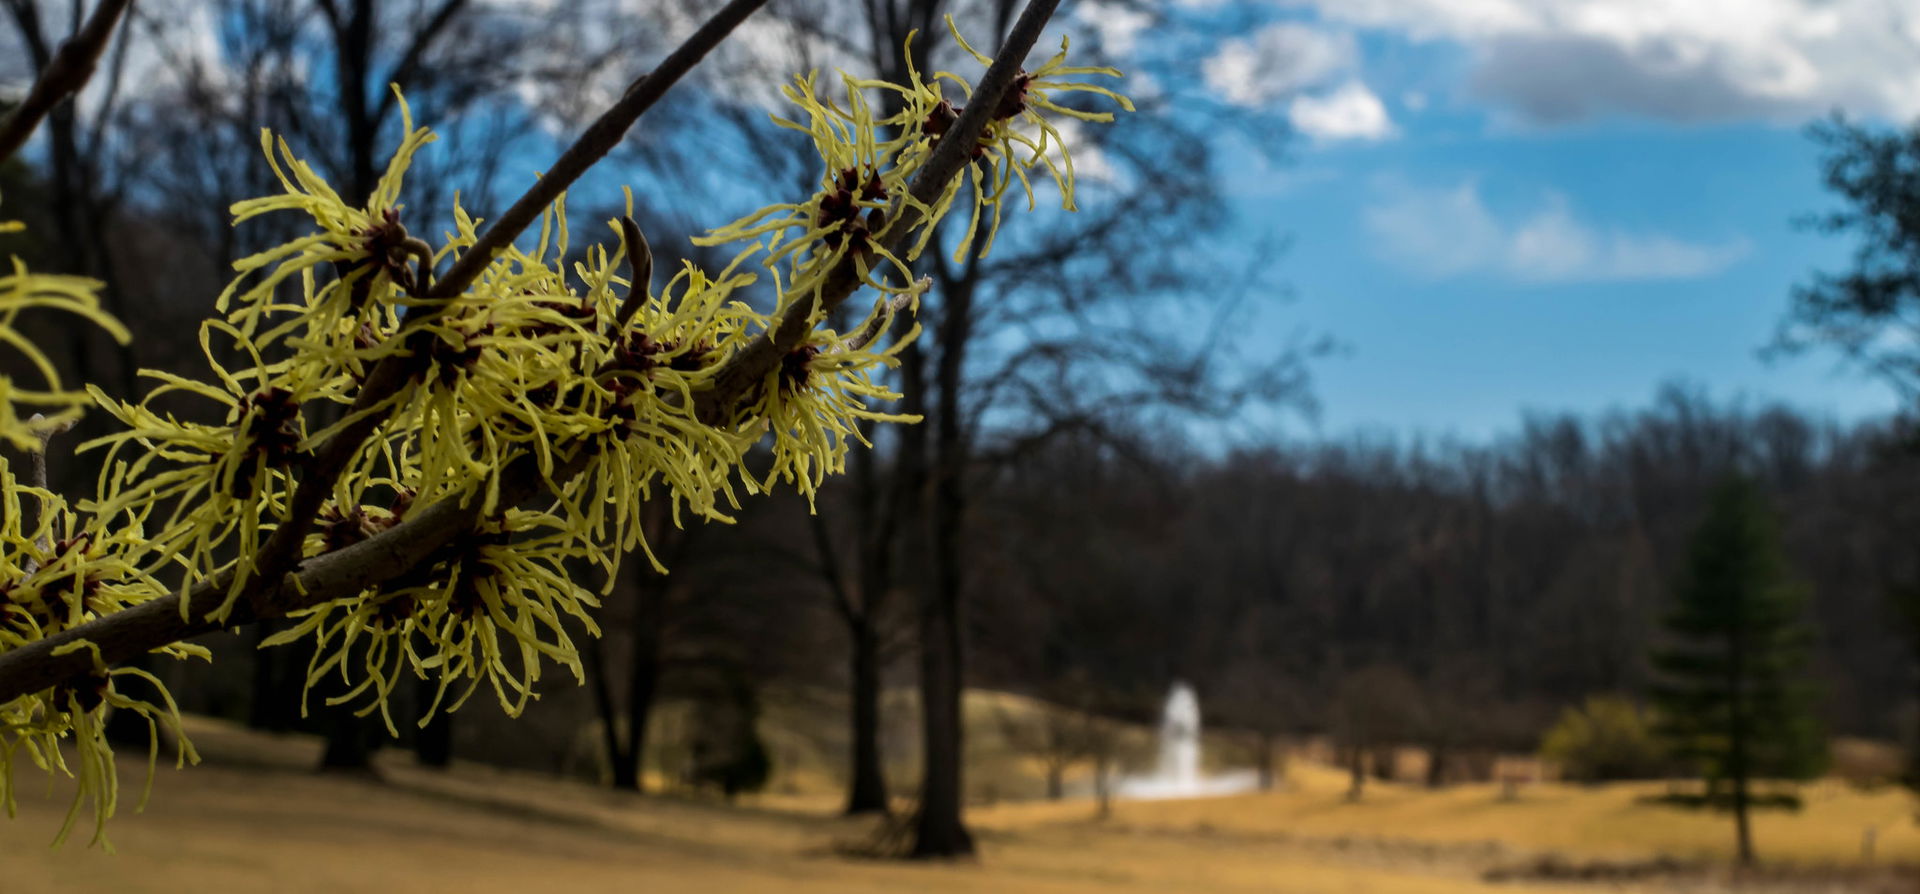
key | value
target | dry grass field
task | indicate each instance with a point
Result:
(254, 819)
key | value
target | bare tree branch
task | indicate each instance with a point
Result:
(953, 153)
(391, 376)
(409, 65)
(354, 569)
(69, 71)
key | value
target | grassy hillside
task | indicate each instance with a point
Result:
(255, 818)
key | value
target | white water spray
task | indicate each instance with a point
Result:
(1177, 771)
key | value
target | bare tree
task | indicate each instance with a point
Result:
(1375, 709)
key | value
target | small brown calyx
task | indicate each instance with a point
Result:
(580, 313)
(90, 690)
(1014, 101)
(270, 423)
(388, 245)
(940, 119)
(470, 553)
(638, 353)
(339, 530)
(796, 368)
(450, 361)
(393, 612)
(840, 208)
(694, 359)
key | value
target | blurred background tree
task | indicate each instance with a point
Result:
(1733, 697)
(1607, 739)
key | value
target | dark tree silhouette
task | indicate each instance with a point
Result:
(1734, 697)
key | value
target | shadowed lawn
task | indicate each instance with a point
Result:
(252, 819)
(1602, 821)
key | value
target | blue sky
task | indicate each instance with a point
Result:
(1502, 205)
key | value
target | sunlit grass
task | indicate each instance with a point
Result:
(257, 819)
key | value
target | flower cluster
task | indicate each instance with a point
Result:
(60, 568)
(22, 291)
(554, 365)
(1019, 137)
(62, 571)
(865, 215)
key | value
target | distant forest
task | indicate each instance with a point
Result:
(1504, 581)
(1468, 593)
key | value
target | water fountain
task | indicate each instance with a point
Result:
(1177, 771)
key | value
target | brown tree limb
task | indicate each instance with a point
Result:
(69, 70)
(953, 153)
(356, 568)
(393, 374)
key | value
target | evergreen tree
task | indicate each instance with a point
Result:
(1905, 601)
(1734, 699)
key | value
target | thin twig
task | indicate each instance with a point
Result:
(640, 260)
(354, 569)
(41, 479)
(68, 71)
(394, 373)
(953, 153)
(877, 326)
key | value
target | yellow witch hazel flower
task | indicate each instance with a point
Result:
(22, 291)
(218, 484)
(646, 385)
(490, 606)
(549, 364)
(527, 367)
(814, 402)
(850, 212)
(59, 572)
(1012, 150)
(368, 245)
(226, 483)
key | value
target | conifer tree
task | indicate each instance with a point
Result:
(1734, 699)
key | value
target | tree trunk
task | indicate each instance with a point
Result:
(433, 743)
(1743, 831)
(1266, 761)
(643, 680)
(1437, 765)
(1357, 763)
(603, 706)
(350, 742)
(938, 829)
(867, 792)
(1385, 764)
(941, 831)
(1103, 784)
(268, 707)
(1738, 768)
(1056, 780)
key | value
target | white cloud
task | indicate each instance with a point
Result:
(1351, 112)
(1556, 60)
(1277, 61)
(1119, 26)
(1090, 163)
(1451, 232)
